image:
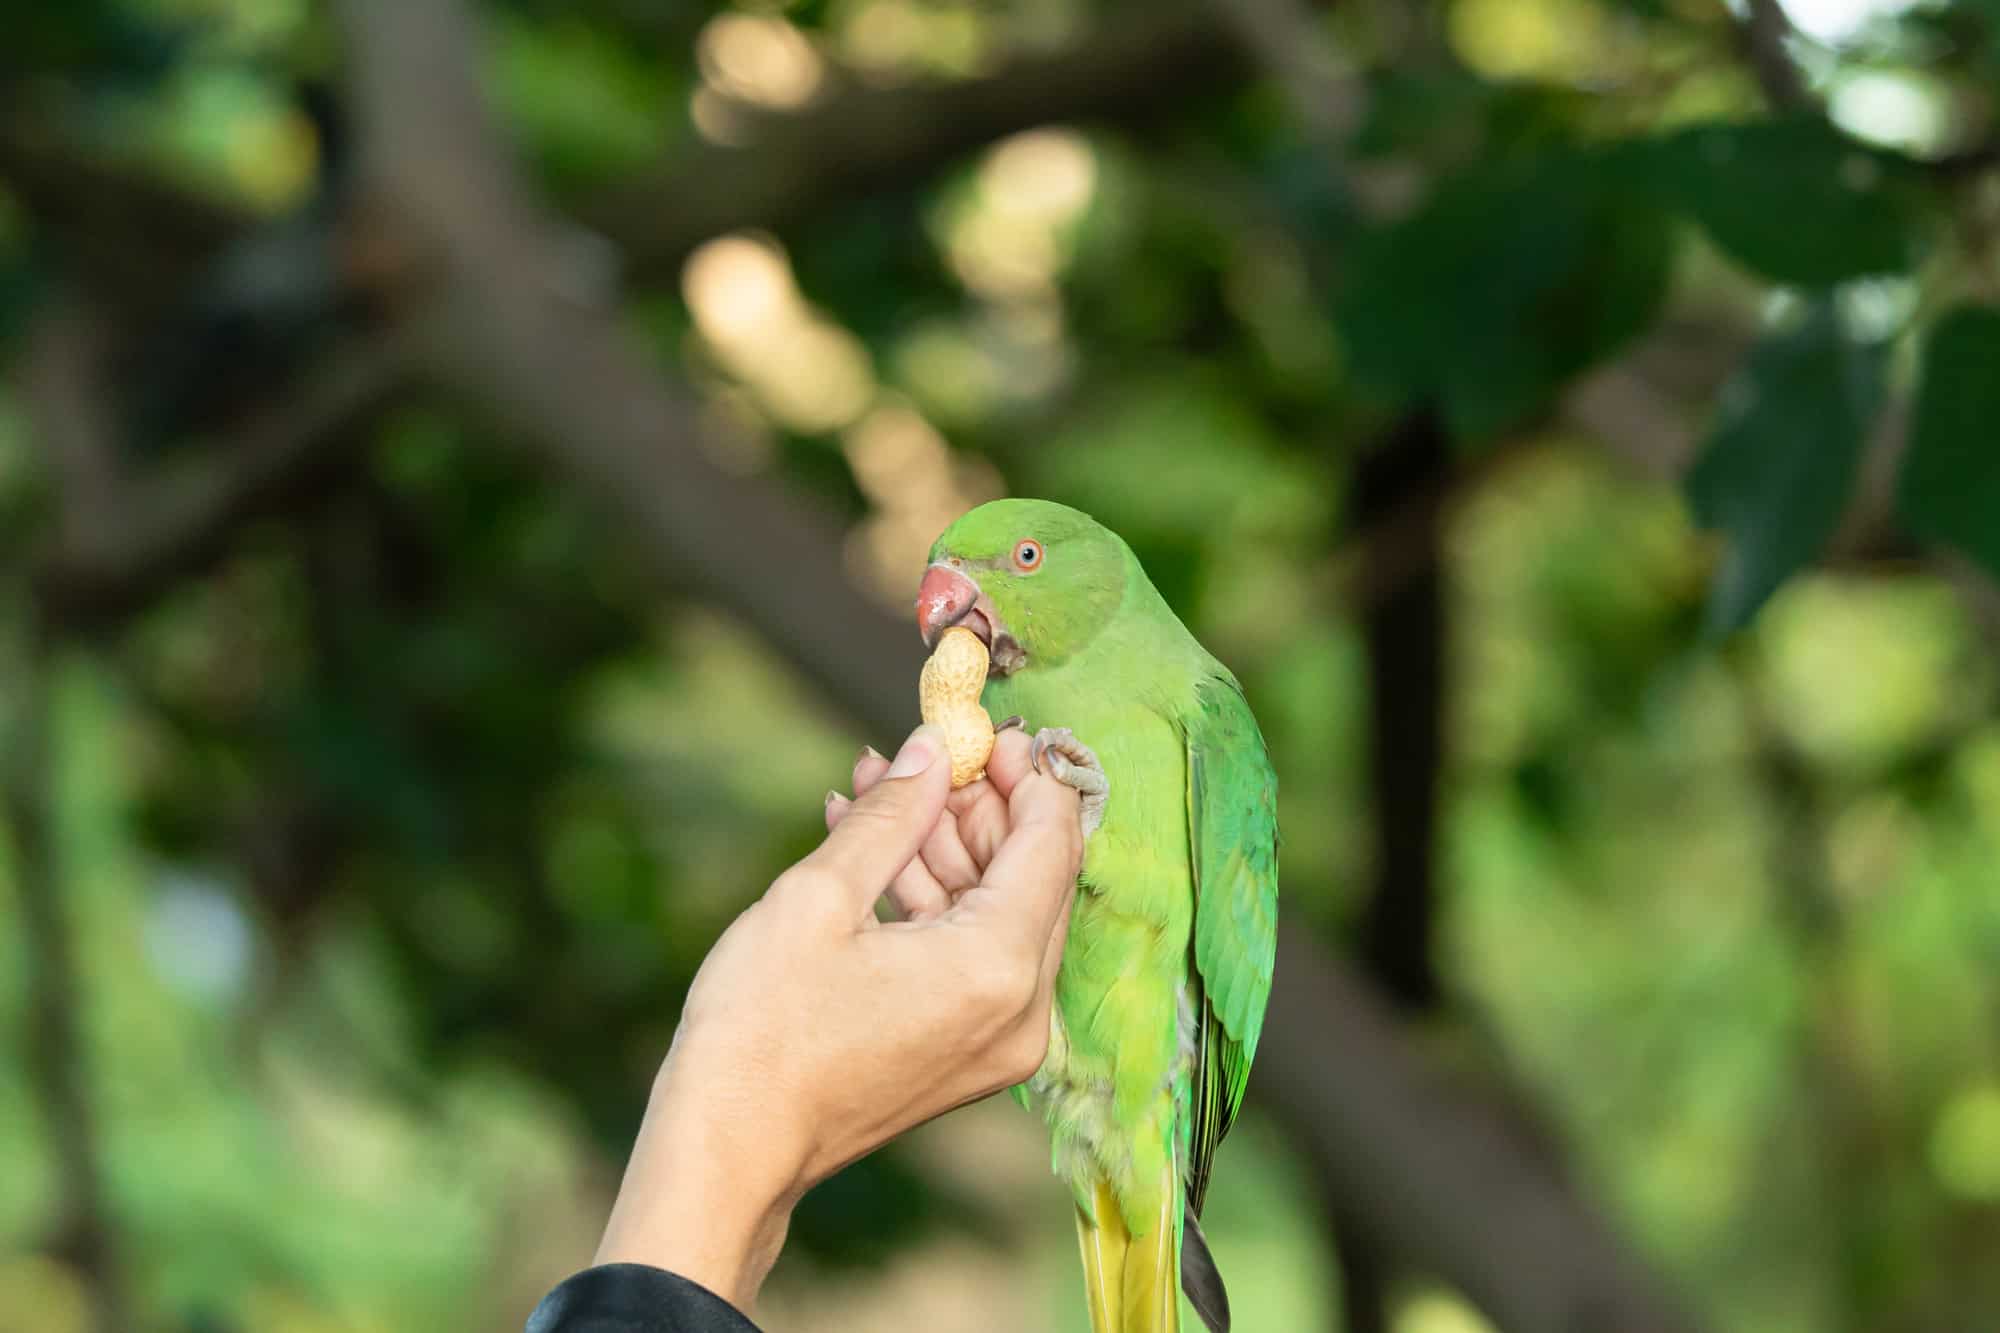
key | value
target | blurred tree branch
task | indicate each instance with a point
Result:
(83, 1234)
(1765, 30)
(1446, 1181)
(559, 372)
(1136, 72)
(62, 394)
(135, 233)
(1401, 481)
(855, 139)
(62, 372)
(1392, 548)
(138, 537)
(1405, 635)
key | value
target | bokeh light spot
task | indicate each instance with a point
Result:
(197, 937)
(1965, 1144)
(759, 59)
(806, 372)
(1438, 1312)
(1836, 21)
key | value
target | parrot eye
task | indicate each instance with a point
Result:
(1028, 556)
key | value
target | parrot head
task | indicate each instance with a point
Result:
(1035, 580)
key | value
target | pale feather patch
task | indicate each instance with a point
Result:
(1188, 1029)
(1187, 1054)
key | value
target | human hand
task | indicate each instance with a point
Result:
(814, 1032)
(963, 842)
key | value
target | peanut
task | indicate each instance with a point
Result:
(948, 693)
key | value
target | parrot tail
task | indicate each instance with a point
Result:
(1132, 1284)
(1104, 1242)
(1201, 1279)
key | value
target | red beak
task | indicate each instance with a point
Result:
(944, 598)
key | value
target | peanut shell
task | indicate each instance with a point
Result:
(948, 694)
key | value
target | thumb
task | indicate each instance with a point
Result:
(882, 831)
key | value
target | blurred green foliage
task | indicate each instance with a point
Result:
(1952, 480)
(1779, 467)
(390, 842)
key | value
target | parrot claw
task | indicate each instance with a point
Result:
(1058, 753)
(1015, 721)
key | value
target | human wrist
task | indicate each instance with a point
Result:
(707, 1195)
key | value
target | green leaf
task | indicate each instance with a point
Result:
(1510, 281)
(1795, 199)
(1780, 461)
(1949, 491)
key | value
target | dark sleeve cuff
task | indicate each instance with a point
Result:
(633, 1298)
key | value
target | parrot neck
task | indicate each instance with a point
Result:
(1142, 651)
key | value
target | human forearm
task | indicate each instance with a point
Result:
(705, 1194)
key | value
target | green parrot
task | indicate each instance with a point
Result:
(1161, 994)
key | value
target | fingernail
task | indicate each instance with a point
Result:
(831, 796)
(867, 752)
(916, 754)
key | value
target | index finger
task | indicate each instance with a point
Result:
(1033, 875)
(880, 833)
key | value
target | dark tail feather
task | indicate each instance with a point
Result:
(1200, 1278)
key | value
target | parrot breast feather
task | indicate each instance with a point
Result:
(1233, 837)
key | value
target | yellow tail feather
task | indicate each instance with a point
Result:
(1131, 1283)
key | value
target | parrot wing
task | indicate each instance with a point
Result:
(1233, 835)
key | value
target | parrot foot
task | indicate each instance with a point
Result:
(1058, 753)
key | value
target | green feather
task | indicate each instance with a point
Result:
(1232, 811)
